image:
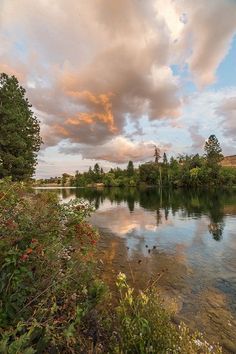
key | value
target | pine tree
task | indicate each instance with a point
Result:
(96, 169)
(165, 161)
(130, 169)
(157, 154)
(213, 151)
(19, 131)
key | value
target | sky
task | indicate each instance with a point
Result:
(108, 80)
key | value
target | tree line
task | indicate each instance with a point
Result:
(183, 171)
(20, 142)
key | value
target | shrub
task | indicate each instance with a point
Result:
(47, 283)
(143, 326)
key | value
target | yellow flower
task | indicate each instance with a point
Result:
(144, 298)
(121, 277)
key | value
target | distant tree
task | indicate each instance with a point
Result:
(96, 169)
(130, 169)
(77, 178)
(165, 161)
(149, 173)
(213, 151)
(157, 154)
(64, 178)
(19, 131)
(97, 173)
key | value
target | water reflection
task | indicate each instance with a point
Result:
(190, 235)
(189, 203)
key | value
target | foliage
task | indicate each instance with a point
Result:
(47, 281)
(130, 169)
(213, 151)
(19, 134)
(157, 154)
(184, 171)
(143, 326)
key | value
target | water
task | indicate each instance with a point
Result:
(183, 241)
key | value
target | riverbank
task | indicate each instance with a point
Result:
(52, 298)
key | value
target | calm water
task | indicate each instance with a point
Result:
(186, 239)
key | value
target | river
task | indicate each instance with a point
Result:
(183, 241)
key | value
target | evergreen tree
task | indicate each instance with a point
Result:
(157, 154)
(165, 161)
(19, 131)
(77, 178)
(130, 169)
(96, 169)
(213, 151)
(97, 173)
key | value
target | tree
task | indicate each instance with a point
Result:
(157, 154)
(19, 131)
(65, 176)
(165, 161)
(130, 169)
(213, 151)
(97, 173)
(149, 173)
(77, 178)
(96, 169)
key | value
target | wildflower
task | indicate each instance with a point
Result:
(29, 251)
(144, 298)
(34, 240)
(24, 257)
(198, 342)
(128, 296)
(121, 277)
(121, 280)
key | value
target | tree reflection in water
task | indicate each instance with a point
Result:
(190, 203)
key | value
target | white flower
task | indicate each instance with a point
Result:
(198, 342)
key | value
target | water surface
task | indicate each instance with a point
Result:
(185, 240)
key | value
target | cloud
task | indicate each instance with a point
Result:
(208, 33)
(227, 110)
(88, 65)
(118, 150)
(100, 61)
(197, 139)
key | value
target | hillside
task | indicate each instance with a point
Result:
(229, 161)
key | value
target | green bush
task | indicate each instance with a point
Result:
(47, 280)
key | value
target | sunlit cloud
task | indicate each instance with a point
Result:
(91, 66)
(118, 150)
(227, 110)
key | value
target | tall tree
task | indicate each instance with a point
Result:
(96, 169)
(77, 178)
(19, 131)
(213, 151)
(130, 169)
(157, 154)
(165, 161)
